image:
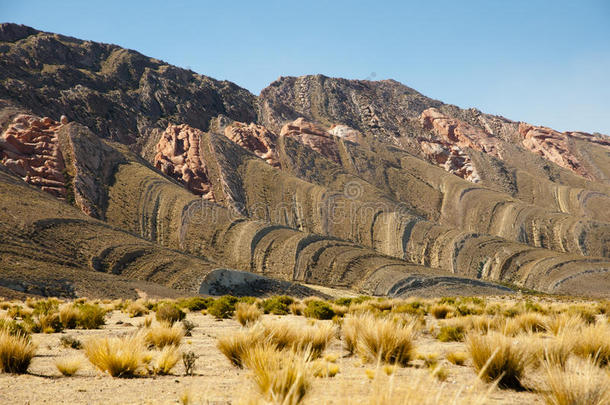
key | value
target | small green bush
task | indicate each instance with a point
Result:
(169, 313)
(278, 305)
(319, 310)
(223, 307)
(13, 327)
(196, 303)
(344, 301)
(91, 316)
(450, 333)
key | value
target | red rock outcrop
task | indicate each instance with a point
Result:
(555, 146)
(29, 147)
(459, 133)
(255, 138)
(312, 135)
(454, 136)
(452, 158)
(178, 156)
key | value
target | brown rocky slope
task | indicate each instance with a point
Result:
(345, 183)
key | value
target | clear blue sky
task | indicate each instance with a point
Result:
(545, 62)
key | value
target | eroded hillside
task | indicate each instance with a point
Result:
(342, 183)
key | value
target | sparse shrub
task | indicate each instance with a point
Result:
(189, 360)
(166, 360)
(324, 369)
(457, 358)
(280, 377)
(136, 309)
(223, 307)
(68, 367)
(580, 384)
(440, 311)
(169, 313)
(412, 308)
(247, 314)
(13, 327)
(188, 327)
(69, 315)
(319, 310)
(344, 301)
(196, 303)
(278, 305)
(296, 308)
(70, 342)
(451, 333)
(162, 336)
(496, 357)
(118, 356)
(16, 352)
(430, 360)
(91, 316)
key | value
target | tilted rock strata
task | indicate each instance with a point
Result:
(555, 146)
(313, 136)
(29, 147)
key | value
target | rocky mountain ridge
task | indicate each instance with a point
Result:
(367, 185)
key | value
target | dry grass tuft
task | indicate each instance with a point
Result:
(497, 357)
(441, 311)
(235, 345)
(16, 352)
(593, 341)
(119, 357)
(68, 367)
(581, 383)
(313, 338)
(166, 360)
(457, 358)
(380, 339)
(280, 377)
(161, 336)
(247, 314)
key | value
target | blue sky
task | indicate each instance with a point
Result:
(545, 62)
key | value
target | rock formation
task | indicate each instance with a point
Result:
(255, 138)
(178, 156)
(313, 136)
(30, 148)
(557, 147)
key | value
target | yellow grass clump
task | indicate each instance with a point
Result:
(497, 357)
(247, 314)
(163, 335)
(313, 338)
(581, 383)
(68, 367)
(166, 360)
(280, 377)
(593, 341)
(235, 345)
(381, 339)
(118, 356)
(16, 352)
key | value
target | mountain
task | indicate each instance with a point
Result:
(122, 173)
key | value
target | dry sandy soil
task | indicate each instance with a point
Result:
(216, 381)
